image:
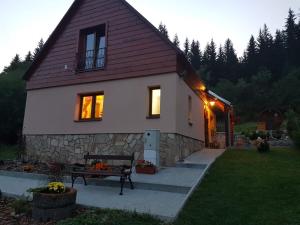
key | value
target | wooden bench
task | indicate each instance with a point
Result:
(124, 172)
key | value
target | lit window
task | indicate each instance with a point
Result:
(86, 112)
(91, 107)
(155, 94)
(99, 106)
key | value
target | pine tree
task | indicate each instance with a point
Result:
(16, 61)
(290, 38)
(195, 55)
(220, 63)
(176, 41)
(265, 44)
(278, 55)
(298, 43)
(231, 61)
(209, 63)
(210, 55)
(251, 58)
(38, 49)
(28, 57)
(186, 47)
(163, 29)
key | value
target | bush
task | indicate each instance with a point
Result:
(263, 146)
(254, 135)
(105, 217)
(293, 126)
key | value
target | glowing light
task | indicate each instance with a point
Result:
(212, 103)
(202, 88)
(86, 112)
(99, 106)
(155, 102)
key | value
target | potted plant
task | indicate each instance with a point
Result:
(145, 167)
(262, 145)
(53, 202)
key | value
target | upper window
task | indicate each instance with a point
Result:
(91, 107)
(92, 49)
(154, 102)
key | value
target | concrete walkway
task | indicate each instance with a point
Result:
(162, 195)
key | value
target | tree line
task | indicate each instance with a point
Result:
(13, 96)
(266, 76)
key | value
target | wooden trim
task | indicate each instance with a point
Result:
(93, 95)
(150, 115)
(87, 120)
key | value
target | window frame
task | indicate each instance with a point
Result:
(93, 107)
(150, 115)
(83, 33)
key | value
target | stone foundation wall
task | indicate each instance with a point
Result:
(72, 148)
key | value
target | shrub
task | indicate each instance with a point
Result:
(293, 127)
(263, 146)
(106, 217)
(256, 134)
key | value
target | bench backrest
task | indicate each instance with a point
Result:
(110, 157)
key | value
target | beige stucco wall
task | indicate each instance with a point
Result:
(53, 110)
(196, 130)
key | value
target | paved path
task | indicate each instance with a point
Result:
(206, 156)
(162, 195)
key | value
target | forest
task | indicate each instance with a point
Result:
(266, 76)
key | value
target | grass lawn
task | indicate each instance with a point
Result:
(248, 188)
(245, 127)
(8, 152)
(243, 187)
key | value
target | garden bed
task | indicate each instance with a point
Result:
(31, 167)
(8, 217)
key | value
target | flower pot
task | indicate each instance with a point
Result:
(52, 206)
(145, 170)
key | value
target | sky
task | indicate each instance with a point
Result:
(24, 22)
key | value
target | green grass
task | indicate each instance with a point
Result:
(243, 187)
(245, 127)
(8, 152)
(248, 188)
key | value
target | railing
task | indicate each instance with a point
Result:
(91, 59)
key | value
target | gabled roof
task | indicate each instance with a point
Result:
(67, 17)
(51, 40)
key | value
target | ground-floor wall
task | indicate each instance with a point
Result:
(72, 148)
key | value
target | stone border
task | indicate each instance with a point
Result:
(71, 148)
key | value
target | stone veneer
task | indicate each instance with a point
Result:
(72, 148)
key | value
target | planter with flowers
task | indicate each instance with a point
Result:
(54, 202)
(145, 167)
(262, 145)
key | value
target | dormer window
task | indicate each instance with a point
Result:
(92, 49)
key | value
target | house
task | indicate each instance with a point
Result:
(104, 76)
